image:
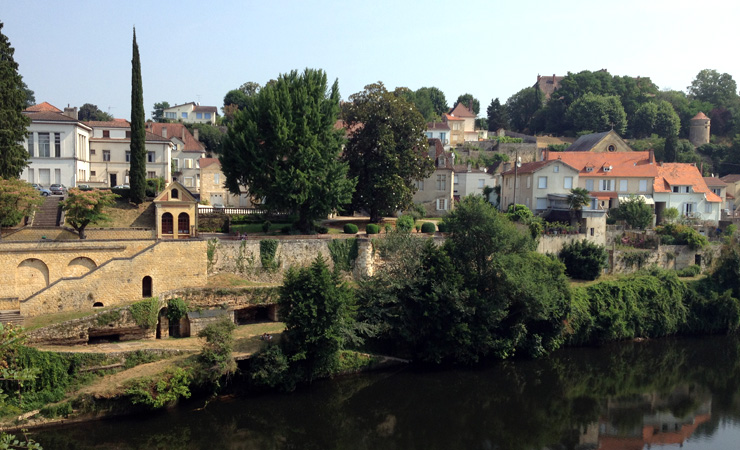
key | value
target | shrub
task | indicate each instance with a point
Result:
(268, 249)
(270, 368)
(321, 229)
(584, 260)
(350, 228)
(286, 229)
(442, 227)
(682, 235)
(343, 253)
(690, 271)
(372, 228)
(215, 359)
(519, 213)
(176, 309)
(266, 226)
(145, 312)
(417, 227)
(428, 227)
(164, 390)
(730, 230)
(405, 223)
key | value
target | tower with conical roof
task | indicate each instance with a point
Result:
(699, 130)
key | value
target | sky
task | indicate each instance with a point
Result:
(76, 51)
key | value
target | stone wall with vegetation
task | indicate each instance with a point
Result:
(624, 260)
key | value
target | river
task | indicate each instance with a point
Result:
(657, 394)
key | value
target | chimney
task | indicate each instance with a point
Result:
(70, 112)
(470, 167)
(196, 134)
(651, 156)
(470, 105)
(183, 133)
(164, 132)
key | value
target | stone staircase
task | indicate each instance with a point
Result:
(11, 317)
(48, 214)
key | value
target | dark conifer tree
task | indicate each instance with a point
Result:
(137, 172)
(13, 124)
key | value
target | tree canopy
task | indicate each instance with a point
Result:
(597, 113)
(13, 124)
(88, 111)
(158, 112)
(386, 152)
(713, 87)
(498, 116)
(17, 200)
(466, 99)
(137, 171)
(83, 208)
(284, 147)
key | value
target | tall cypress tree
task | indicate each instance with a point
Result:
(137, 171)
(13, 124)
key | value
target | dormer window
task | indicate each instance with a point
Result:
(589, 169)
(607, 168)
(175, 194)
(611, 148)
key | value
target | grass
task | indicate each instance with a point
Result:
(126, 215)
(45, 320)
(247, 338)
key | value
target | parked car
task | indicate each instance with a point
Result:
(122, 186)
(84, 187)
(42, 190)
(58, 189)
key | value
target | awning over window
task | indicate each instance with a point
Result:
(648, 198)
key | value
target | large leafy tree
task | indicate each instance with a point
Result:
(386, 152)
(137, 172)
(83, 208)
(317, 310)
(431, 103)
(498, 117)
(158, 112)
(284, 147)
(88, 111)
(30, 96)
(522, 107)
(597, 113)
(210, 136)
(713, 87)
(13, 124)
(466, 99)
(17, 200)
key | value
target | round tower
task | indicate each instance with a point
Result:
(699, 130)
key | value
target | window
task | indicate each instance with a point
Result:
(188, 163)
(151, 174)
(128, 156)
(92, 151)
(526, 202)
(443, 137)
(429, 134)
(419, 185)
(93, 173)
(589, 169)
(605, 185)
(481, 183)
(175, 164)
(456, 126)
(57, 145)
(611, 148)
(216, 177)
(198, 115)
(688, 209)
(128, 134)
(681, 189)
(106, 133)
(622, 185)
(150, 157)
(30, 176)
(589, 185)
(106, 155)
(541, 203)
(542, 182)
(189, 182)
(183, 223)
(30, 144)
(568, 183)
(170, 115)
(44, 151)
(529, 182)
(441, 183)
(167, 223)
(175, 193)
(184, 115)
(208, 115)
(442, 204)
(707, 207)
(556, 168)
(643, 185)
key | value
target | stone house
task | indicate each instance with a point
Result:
(191, 113)
(176, 213)
(732, 190)
(607, 141)
(186, 152)
(213, 186)
(537, 185)
(461, 122)
(435, 193)
(110, 153)
(58, 145)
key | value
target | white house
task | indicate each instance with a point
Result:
(441, 131)
(681, 186)
(471, 180)
(191, 113)
(58, 145)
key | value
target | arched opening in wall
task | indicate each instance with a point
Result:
(252, 314)
(167, 223)
(98, 305)
(146, 287)
(32, 275)
(79, 267)
(175, 193)
(183, 223)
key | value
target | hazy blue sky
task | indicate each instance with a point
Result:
(75, 52)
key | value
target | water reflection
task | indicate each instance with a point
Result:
(628, 396)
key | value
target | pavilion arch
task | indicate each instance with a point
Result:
(167, 223)
(32, 275)
(79, 267)
(183, 224)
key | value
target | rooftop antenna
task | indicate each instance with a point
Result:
(198, 95)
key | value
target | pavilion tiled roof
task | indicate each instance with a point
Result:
(115, 123)
(461, 111)
(45, 106)
(48, 116)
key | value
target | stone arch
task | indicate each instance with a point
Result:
(98, 305)
(167, 223)
(32, 275)
(79, 267)
(183, 223)
(146, 287)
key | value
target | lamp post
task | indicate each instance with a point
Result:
(517, 165)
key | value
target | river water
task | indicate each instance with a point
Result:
(666, 393)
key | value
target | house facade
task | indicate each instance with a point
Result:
(435, 193)
(470, 180)
(681, 186)
(110, 154)
(538, 185)
(732, 190)
(186, 152)
(58, 145)
(441, 131)
(176, 213)
(213, 186)
(191, 113)
(606, 142)
(461, 122)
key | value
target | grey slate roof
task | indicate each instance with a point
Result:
(586, 142)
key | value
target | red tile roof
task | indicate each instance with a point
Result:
(682, 174)
(45, 106)
(48, 116)
(714, 181)
(731, 178)
(626, 164)
(437, 126)
(205, 162)
(461, 111)
(176, 130)
(449, 117)
(115, 123)
(700, 116)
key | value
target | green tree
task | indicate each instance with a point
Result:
(386, 152)
(466, 99)
(250, 88)
(13, 124)
(88, 112)
(210, 136)
(137, 171)
(215, 359)
(498, 117)
(713, 87)
(667, 122)
(643, 121)
(236, 97)
(17, 200)
(317, 310)
(584, 260)
(522, 107)
(285, 148)
(83, 208)
(577, 199)
(30, 97)
(635, 212)
(597, 113)
(431, 103)
(158, 112)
